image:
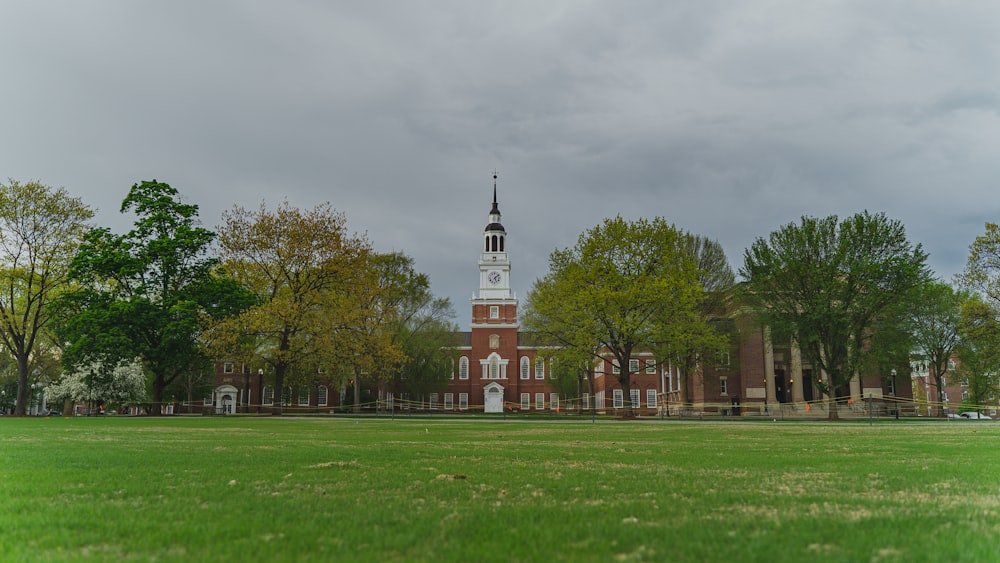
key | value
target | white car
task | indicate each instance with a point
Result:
(974, 416)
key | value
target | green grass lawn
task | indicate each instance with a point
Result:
(264, 489)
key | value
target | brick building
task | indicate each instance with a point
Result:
(496, 368)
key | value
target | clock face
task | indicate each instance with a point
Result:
(493, 277)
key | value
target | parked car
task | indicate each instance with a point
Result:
(974, 416)
(955, 415)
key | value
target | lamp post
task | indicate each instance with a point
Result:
(260, 388)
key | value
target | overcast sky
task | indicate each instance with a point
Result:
(727, 118)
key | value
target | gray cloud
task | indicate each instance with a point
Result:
(727, 119)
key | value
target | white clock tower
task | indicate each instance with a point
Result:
(495, 304)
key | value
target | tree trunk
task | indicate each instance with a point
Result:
(279, 389)
(357, 390)
(158, 387)
(21, 408)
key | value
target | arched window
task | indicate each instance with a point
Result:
(463, 368)
(501, 243)
(525, 367)
(494, 241)
(487, 249)
(494, 367)
(451, 368)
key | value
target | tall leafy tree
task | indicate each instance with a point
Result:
(306, 272)
(40, 229)
(616, 291)
(418, 324)
(707, 330)
(825, 283)
(934, 315)
(979, 350)
(148, 294)
(982, 269)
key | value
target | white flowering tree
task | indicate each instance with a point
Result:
(97, 383)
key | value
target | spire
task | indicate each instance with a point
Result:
(496, 209)
(494, 223)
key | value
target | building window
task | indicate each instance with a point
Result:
(634, 395)
(463, 368)
(268, 395)
(651, 398)
(463, 401)
(494, 368)
(539, 368)
(525, 367)
(208, 400)
(944, 396)
(525, 401)
(651, 367)
(494, 312)
(633, 366)
(965, 395)
(451, 368)
(434, 401)
(723, 386)
(554, 401)
(303, 396)
(227, 367)
(723, 359)
(615, 368)
(322, 395)
(540, 401)
(449, 401)
(586, 400)
(619, 399)
(552, 368)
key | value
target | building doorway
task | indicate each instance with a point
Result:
(225, 402)
(493, 398)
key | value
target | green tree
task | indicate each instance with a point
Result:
(616, 291)
(306, 273)
(40, 229)
(934, 313)
(825, 283)
(149, 293)
(706, 332)
(982, 269)
(979, 351)
(418, 323)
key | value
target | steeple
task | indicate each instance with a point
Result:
(494, 224)
(494, 264)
